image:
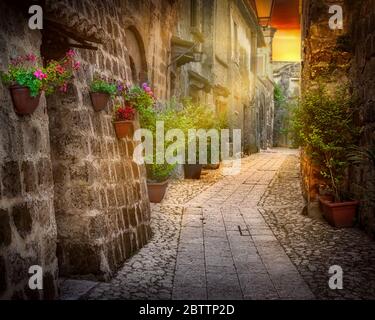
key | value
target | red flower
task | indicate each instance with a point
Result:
(125, 113)
(60, 69)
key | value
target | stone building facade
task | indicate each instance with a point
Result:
(340, 55)
(72, 200)
(215, 62)
(264, 101)
(287, 75)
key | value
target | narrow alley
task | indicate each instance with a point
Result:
(251, 242)
(119, 121)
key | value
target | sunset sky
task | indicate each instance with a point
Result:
(287, 41)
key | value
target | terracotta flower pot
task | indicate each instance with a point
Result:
(193, 171)
(23, 102)
(340, 214)
(99, 100)
(325, 197)
(156, 191)
(124, 129)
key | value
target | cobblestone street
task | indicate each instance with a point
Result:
(240, 237)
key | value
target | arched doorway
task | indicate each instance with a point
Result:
(137, 56)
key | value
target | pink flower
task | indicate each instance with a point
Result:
(76, 65)
(71, 53)
(40, 75)
(64, 87)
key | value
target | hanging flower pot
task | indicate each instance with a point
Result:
(101, 91)
(124, 121)
(27, 78)
(156, 191)
(99, 100)
(124, 129)
(23, 102)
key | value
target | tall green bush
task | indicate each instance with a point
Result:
(325, 127)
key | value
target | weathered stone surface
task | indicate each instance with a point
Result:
(11, 179)
(29, 176)
(25, 172)
(80, 259)
(5, 230)
(22, 219)
(362, 73)
(341, 55)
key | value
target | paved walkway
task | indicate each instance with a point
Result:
(241, 237)
(226, 249)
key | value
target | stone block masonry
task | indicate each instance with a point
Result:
(101, 202)
(71, 198)
(27, 221)
(362, 73)
(341, 55)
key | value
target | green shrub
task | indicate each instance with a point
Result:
(325, 127)
(199, 116)
(159, 172)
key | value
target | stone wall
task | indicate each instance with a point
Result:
(70, 194)
(321, 58)
(27, 220)
(362, 45)
(101, 201)
(341, 55)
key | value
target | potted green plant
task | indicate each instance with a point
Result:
(220, 122)
(100, 93)
(157, 180)
(141, 99)
(198, 117)
(326, 129)
(137, 101)
(27, 78)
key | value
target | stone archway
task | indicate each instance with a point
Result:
(137, 56)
